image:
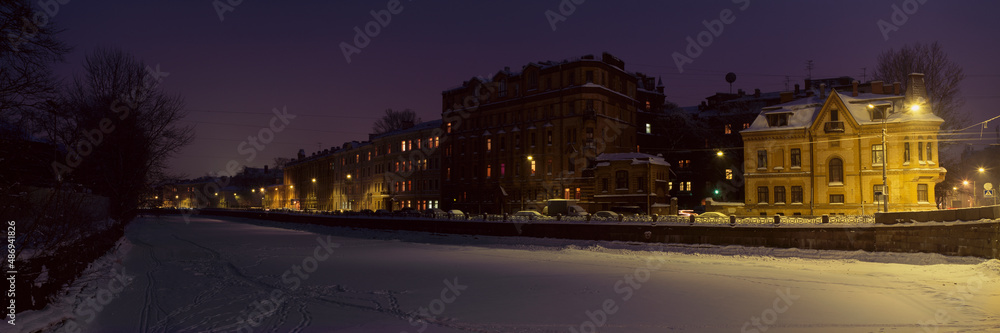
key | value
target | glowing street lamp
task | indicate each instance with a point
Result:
(719, 153)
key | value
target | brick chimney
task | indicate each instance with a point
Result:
(916, 93)
(854, 85)
(877, 87)
(756, 92)
(822, 90)
(796, 88)
(786, 96)
(897, 88)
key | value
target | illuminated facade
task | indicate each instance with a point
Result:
(825, 154)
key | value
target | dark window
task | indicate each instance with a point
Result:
(930, 156)
(920, 151)
(761, 159)
(640, 183)
(762, 194)
(621, 179)
(779, 194)
(604, 183)
(590, 76)
(834, 115)
(796, 194)
(796, 157)
(837, 198)
(836, 171)
(922, 193)
(906, 152)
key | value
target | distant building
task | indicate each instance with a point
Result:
(702, 142)
(631, 180)
(518, 138)
(391, 171)
(824, 154)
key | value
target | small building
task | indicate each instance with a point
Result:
(630, 180)
(829, 153)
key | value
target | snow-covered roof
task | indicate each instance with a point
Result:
(636, 158)
(803, 112)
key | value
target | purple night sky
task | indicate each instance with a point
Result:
(263, 55)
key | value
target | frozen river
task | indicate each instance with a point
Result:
(238, 275)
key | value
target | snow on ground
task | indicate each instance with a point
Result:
(241, 275)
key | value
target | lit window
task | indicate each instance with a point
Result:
(878, 155)
(649, 128)
(729, 174)
(489, 171)
(532, 167)
(729, 129)
(489, 144)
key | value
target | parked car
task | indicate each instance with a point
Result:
(628, 210)
(530, 214)
(382, 212)
(713, 214)
(606, 215)
(434, 212)
(407, 212)
(456, 214)
(367, 212)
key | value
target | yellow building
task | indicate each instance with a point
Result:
(825, 154)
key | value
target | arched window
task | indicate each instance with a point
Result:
(836, 171)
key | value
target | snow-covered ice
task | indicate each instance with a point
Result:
(240, 275)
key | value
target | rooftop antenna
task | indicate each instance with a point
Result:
(730, 77)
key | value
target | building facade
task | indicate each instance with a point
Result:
(390, 171)
(827, 154)
(518, 138)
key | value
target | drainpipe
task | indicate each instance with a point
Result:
(812, 173)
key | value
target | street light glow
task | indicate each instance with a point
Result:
(915, 107)
(965, 182)
(981, 169)
(719, 153)
(314, 180)
(529, 157)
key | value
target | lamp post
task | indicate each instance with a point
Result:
(524, 179)
(882, 108)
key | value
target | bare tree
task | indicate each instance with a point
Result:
(26, 51)
(941, 77)
(280, 162)
(394, 120)
(132, 127)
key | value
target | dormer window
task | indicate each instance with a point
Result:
(777, 119)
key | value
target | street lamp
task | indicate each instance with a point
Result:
(881, 107)
(524, 179)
